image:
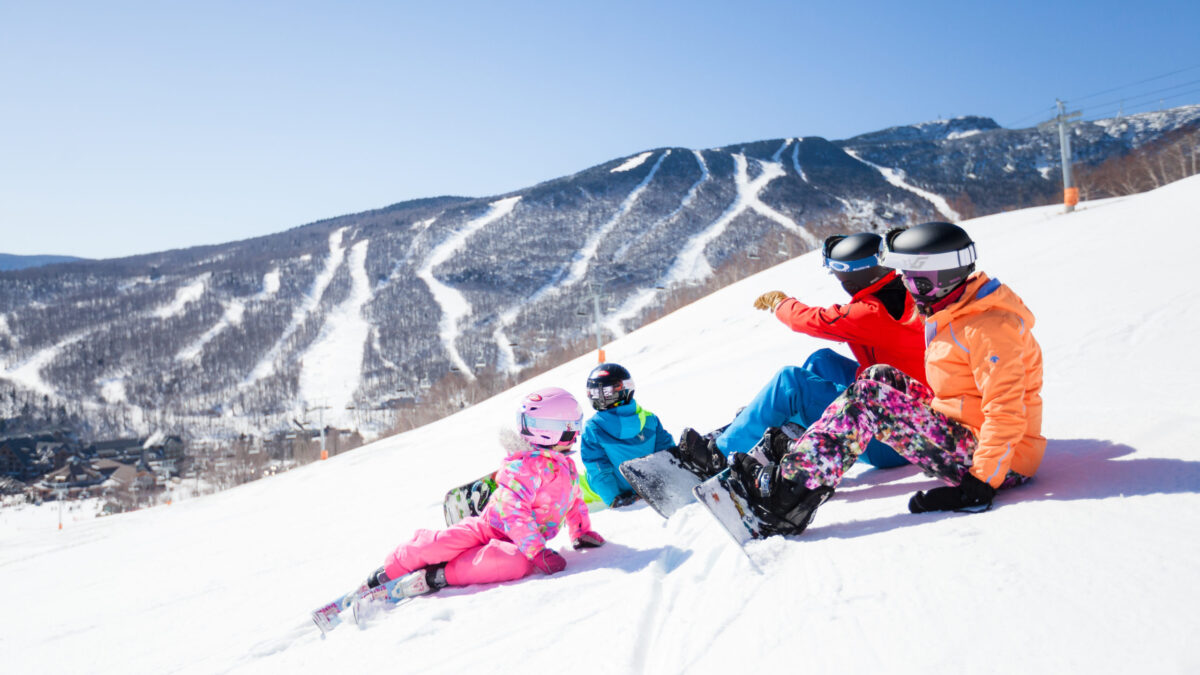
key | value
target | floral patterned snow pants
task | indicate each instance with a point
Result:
(886, 404)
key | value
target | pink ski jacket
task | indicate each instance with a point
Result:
(535, 491)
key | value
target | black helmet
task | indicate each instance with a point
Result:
(854, 260)
(933, 258)
(609, 385)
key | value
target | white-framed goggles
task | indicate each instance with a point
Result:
(929, 262)
(549, 424)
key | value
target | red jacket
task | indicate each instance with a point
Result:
(867, 327)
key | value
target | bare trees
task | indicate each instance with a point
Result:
(1173, 157)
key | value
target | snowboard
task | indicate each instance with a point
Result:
(660, 479)
(468, 499)
(731, 510)
(667, 484)
(730, 506)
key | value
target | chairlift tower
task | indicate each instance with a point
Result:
(596, 306)
(1063, 121)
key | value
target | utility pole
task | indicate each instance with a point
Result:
(321, 421)
(1062, 121)
(596, 304)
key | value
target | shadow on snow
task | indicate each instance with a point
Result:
(1073, 469)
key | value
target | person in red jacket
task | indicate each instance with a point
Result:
(879, 324)
(976, 423)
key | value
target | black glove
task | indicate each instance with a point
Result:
(971, 495)
(624, 499)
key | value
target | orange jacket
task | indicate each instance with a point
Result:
(985, 370)
(865, 325)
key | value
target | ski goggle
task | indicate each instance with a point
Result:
(845, 265)
(932, 262)
(546, 424)
(609, 394)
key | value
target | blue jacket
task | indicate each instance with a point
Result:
(618, 435)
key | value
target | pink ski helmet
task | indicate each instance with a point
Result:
(550, 417)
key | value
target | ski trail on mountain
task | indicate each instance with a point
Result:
(584, 256)
(635, 303)
(691, 264)
(29, 375)
(575, 271)
(633, 162)
(332, 367)
(897, 177)
(337, 253)
(688, 198)
(234, 311)
(796, 160)
(184, 295)
(451, 301)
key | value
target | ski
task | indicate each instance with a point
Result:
(327, 617)
(371, 600)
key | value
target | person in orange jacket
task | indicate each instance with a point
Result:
(977, 425)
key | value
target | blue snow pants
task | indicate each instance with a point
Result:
(800, 395)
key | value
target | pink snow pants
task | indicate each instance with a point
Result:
(474, 553)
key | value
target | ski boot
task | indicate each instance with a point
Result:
(380, 589)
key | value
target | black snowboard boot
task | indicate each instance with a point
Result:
(784, 506)
(699, 454)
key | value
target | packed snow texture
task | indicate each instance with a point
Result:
(1088, 568)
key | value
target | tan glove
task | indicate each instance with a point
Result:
(770, 300)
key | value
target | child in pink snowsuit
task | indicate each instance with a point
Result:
(536, 489)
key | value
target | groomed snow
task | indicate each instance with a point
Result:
(331, 368)
(1089, 568)
(632, 163)
(333, 261)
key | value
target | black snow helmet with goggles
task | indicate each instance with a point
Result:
(609, 385)
(854, 260)
(933, 259)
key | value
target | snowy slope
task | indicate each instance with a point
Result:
(1090, 568)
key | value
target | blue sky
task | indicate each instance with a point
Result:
(131, 127)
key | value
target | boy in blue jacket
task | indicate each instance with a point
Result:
(620, 430)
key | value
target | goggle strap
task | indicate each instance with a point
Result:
(853, 265)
